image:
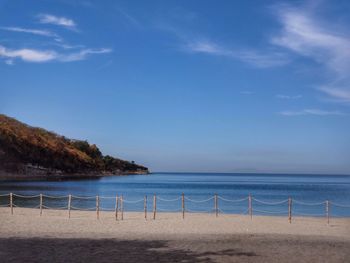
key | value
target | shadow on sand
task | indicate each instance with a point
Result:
(101, 250)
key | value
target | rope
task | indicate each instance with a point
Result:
(297, 202)
(270, 203)
(26, 196)
(55, 197)
(303, 203)
(235, 200)
(340, 205)
(83, 209)
(55, 208)
(199, 201)
(83, 197)
(269, 212)
(168, 200)
(133, 201)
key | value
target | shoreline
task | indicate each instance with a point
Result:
(8, 177)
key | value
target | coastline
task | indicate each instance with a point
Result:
(169, 238)
(5, 176)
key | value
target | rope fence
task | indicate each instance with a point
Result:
(181, 204)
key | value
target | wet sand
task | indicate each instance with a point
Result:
(28, 237)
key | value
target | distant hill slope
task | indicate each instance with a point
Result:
(29, 151)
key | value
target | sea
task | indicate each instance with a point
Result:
(264, 194)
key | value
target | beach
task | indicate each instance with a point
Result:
(170, 238)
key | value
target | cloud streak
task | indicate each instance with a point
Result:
(40, 56)
(288, 97)
(82, 54)
(40, 32)
(316, 112)
(55, 20)
(250, 56)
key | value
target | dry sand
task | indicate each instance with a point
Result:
(28, 237)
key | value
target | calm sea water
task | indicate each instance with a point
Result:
(307, 191)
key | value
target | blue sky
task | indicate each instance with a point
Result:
(224, 86)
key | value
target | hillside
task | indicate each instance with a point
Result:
(30, 151)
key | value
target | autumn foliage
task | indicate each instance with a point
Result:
(30, 145)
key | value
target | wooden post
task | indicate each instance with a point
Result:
(250, 208)
(327, 211)
(97, 207)
(145, 206)
(11, 203)
(183, 205)
(116, 207)
(41, 204)
(122, 206)
(216, 204)
(290, 210)
(154, 207)
(69, 204)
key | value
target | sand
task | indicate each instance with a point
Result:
(27, 236)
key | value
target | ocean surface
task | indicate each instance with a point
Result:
(270, 193)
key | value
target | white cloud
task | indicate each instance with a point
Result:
(82, 54)
(262, 60)
(207, 47)
(253, 57)
(55, 20)
(288, 97)
(317, 112)
(307, 36)
(35, 55)
(342, 94)
(29, 55)
(40, 32)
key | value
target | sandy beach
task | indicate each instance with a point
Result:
(169, 238)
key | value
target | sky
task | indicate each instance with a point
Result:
(185, 86)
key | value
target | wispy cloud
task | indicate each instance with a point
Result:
(29, 55)
(40, 32)
(82, 54)
(288, 97)
(302, 34)
(310, 37)
(40, 56)
(55, 20)
(129, 18)
(341, 94)
(317, 112)
(58, 51)
(250, 56)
